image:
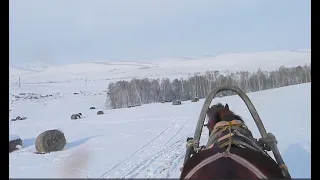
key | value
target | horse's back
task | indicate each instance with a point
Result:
(228, 168)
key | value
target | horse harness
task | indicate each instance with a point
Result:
(226, 134)
(235, 132)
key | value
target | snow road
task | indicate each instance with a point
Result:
(147, 141)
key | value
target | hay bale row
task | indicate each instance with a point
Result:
(79, 115)
(130, 106)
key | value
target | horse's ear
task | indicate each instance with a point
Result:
(227, 106)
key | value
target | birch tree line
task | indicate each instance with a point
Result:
(143, 91)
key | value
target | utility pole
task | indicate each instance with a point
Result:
(19, 82)
(86, 80)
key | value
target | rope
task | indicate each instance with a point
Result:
(230, 138)
(224, 125)
(194, 145)
(232, 127)
(221, 126)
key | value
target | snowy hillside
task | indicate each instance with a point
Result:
(148, 140)
(105, 71)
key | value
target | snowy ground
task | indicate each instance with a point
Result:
(144, 141)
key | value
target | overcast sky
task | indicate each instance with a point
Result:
(73, 31)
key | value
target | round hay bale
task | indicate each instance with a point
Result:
(50, 140)
(99, 112)
(22, 118)
(75, 116)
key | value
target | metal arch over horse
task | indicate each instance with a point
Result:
(231, 151)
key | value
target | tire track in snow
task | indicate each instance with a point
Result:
(142, 166)
(165, 150)
(141, 148)
(170, 165)
(178, 161)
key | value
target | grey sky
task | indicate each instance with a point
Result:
(72, 31)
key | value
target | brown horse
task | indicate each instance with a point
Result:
(234, 153)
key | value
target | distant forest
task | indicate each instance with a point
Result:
(143, 91)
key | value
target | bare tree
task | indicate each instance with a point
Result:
(144, 91)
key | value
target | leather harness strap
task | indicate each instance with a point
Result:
(235, 157)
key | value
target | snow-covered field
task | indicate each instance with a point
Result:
(148, 140)
(105, 71)
(144, 141)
